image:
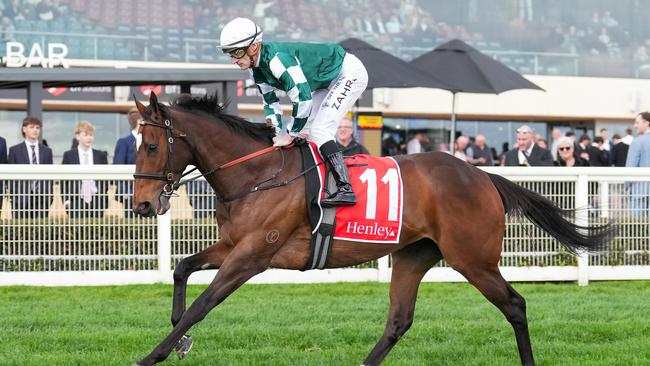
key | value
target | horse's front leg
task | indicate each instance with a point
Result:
(237, 268)
(210, 258)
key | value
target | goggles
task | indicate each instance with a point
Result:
(237, 52)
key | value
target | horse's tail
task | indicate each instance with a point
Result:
(521, 202)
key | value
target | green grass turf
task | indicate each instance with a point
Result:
(606, 323)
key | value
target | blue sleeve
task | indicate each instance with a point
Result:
(48, 157)
(634, 155)
(12, 157)
(3, 151)
(120, 153)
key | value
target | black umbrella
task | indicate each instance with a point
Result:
(468, 70)
(388, 71)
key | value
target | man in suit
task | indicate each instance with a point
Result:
(125, 147)
(86, 198)
(639, 156)
(619, 150)
(125, 150)
(3, 160)
(527, 153)
(31, 199)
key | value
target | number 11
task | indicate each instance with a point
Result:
(369, 176)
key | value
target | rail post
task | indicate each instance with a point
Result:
(164, 224)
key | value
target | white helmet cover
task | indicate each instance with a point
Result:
(240, 32)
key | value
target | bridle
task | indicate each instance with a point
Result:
(167, 175)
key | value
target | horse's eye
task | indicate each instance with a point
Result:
(153, 147)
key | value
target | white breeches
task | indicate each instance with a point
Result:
(330, 105)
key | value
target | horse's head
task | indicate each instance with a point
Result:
(161, 158)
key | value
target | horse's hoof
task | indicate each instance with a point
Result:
(183, 346)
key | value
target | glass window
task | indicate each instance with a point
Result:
(10, 122)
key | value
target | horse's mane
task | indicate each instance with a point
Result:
(209, 104)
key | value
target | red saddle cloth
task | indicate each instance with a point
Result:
(377, 216)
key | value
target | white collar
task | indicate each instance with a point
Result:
(81, 151)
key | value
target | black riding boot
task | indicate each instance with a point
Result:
(344, 196)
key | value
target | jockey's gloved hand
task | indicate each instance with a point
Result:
(282, 140)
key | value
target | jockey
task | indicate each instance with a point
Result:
(322, 80)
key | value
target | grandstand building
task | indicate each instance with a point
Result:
(592, 58)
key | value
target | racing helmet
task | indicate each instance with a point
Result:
(240, 33)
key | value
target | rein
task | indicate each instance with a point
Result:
(172, 185)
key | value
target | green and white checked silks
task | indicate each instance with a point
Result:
(298, 69)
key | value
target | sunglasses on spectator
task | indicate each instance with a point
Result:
(237, 52)
(520, 130)
(564, 148)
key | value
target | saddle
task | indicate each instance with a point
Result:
(377, 216)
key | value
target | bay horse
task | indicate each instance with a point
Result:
(452, 210)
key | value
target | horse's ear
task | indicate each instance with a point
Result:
(153, 105)
(139, 105)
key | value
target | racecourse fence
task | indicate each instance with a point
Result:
(63, 225)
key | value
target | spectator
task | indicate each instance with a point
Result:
(479, 154)
(31, 198)
(389, 145)
(461, 143)
(628, 138)
(125, 147)
(571, 135)
(567, 155)
(3, 160)
(618, 154)
(414, 145)
(125, 150)
(527, 153)
(556, 134)
(505, 147)
(81, 195)
(604, 134)
(542, 143)
(598, 156)
(639, 156)
(346, 141)
(582, 148)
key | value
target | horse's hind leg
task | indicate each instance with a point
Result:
(495, 288)
(409, 266)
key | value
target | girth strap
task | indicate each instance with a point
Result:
(321, 241)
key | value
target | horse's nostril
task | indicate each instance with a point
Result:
(142, 208)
